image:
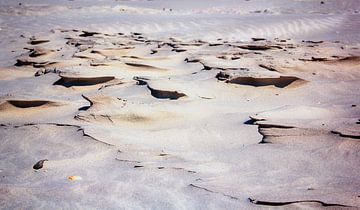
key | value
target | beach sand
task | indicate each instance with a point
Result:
(179, 104)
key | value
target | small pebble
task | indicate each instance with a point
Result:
(39, 164)
(74, 178)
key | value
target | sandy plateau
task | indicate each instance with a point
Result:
(182, 114)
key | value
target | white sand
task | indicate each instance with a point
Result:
(172, 105)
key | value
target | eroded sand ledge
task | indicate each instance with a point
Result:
(130, 122)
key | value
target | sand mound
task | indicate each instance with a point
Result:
(143, 67)
(37, 52)
(294, 121)
(36, 64)
(116, 111)
(294, 113)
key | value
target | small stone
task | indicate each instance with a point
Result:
(39, 164)
(74, 178)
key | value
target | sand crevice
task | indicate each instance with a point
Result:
(211, 191)
(275, 203)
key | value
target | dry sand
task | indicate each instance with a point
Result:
(179, 105)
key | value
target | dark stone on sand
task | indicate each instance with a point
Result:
(39, 164)
(222, 76)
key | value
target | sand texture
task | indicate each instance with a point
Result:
(179, 104)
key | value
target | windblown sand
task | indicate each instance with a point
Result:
(161, 113)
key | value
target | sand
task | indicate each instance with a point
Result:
(179, 105)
